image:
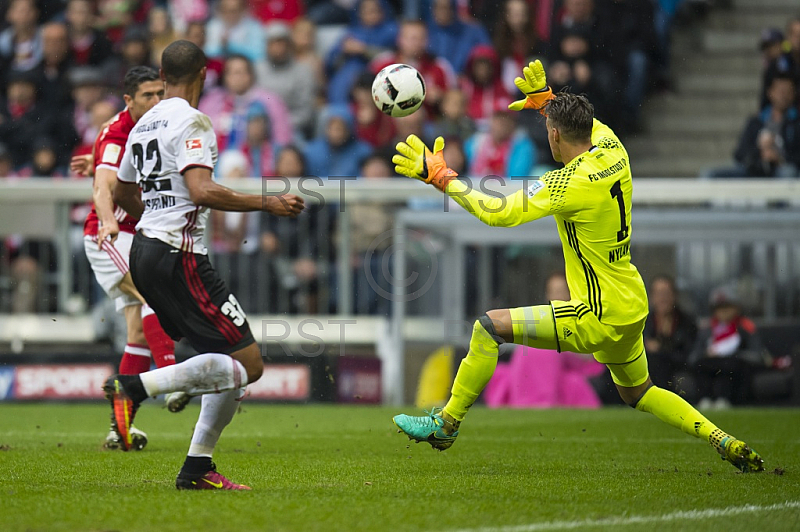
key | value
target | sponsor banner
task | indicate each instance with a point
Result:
(61, 381)
(359, 380)
(6, 382)
(282, 382)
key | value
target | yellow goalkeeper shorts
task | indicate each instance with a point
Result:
(577, 329)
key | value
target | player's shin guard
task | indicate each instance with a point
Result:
(201, 374)
(475, 370)
(216, 413)
(673, 410)
(135, 360)
(161, 345)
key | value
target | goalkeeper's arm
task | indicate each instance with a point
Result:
(504, 211)
(415, 160)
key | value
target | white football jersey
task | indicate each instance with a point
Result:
(170, 138)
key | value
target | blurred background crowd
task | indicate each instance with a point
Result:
(295, 75)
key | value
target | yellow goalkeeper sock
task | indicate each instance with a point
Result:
(475, 370)
(673, 410)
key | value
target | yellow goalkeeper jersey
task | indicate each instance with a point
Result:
(590, 199)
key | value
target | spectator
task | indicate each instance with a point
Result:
(372, 126)
(22, 121)
(54, 88)
(482, 85)
(454, 122)
(337, 153)
(628, 41)
(787, 63)
(258, 147)
(370, 227)
(228, 106)
(371, 32)
(290, 162)
(196, 34)
(294, 257)
(541, 378)
(135, 49)
(322, 12)
(234, 232)
(770, 143)
(44, 162)
(412, 45)
(416, 123)
(669, 334)
(576, 24)
(232, 31)
(89, 46)
(304, 39)
(451, 38)
(183, 13)
(115, 16)
(455, 156)
(6, 162)
(235, 235)
(726, 353)
(576, 66)
(281, 74)
(21, 42)
(505, 150)
(771, 45)
(161, 32)
(88, 88)
(516, 40)
(270, 10)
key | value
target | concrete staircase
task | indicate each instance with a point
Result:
(716, 66)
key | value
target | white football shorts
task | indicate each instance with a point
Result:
(110, 264)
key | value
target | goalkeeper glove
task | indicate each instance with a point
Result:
(417, 161)
(534, 85)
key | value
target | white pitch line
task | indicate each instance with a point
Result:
(691, 515)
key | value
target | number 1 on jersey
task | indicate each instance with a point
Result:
(616, 192)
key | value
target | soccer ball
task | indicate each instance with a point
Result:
(398, 90)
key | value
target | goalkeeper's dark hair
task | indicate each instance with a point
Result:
(136, 76)
(181, 62)
(572, 115)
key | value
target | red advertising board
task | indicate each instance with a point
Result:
(282, 382)
(84, 381)
(359, 380)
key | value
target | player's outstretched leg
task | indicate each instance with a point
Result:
(198, 471)
(673, 410)
(440, 426)
(207, 373)
(163, 350)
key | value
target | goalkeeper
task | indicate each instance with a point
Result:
(590, 198)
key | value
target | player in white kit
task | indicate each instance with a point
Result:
(166, 181)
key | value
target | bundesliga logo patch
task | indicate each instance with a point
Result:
(111, 154)
(535, 187)
(194, 147)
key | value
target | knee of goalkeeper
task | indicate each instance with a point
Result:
(485, 339)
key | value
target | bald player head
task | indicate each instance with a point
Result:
(183, 68)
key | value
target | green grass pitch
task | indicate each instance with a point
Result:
(345, 468)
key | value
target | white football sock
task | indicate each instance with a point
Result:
(208, 373)
(216, 412)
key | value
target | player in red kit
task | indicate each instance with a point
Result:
(108, 234)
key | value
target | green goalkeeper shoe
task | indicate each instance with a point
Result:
(428, 428)
(740, 455)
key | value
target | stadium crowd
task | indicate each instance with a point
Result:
(297, 73)
(289, 92)
(769, 144)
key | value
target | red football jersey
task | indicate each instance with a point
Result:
(109, 148)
